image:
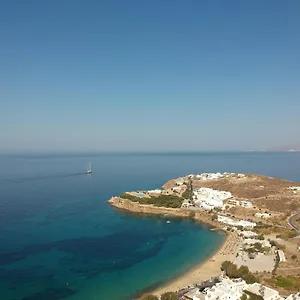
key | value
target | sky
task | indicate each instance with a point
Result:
(149, 75)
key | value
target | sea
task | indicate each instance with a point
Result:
(59, 238)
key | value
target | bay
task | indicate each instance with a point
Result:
(59, 239)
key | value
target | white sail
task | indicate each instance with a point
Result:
(89, 169)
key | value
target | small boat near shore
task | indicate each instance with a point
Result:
(168, 222)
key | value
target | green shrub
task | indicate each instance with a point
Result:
(292, 234)
(187, 193)
(250, 278)
(253, 296)
(257, 246)
(244, 297)
(276, 265)
(225, 264)
(284, 282)
(169, 296)
(192, 214)
(172, 201)
(266, 249)
(243, 272)
(261, 237)
(290, 283)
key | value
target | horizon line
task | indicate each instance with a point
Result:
(65, 152)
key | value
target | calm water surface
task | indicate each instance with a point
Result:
(60, 240)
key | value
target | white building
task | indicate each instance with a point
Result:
(186, 204)
(293, 297)
(209, 176)
(295, 188)
(208, 198)
(234, 285)
(233, 202)
(248, 234)
(281, 256)
(227, 289)
(241, 175)
(179, 182)
(236, 223)
(209, 204)
(176, 188)
(262, 215)
(260, 290)
(264, 243)
(193, 294)
(157, 191)
(246, 204)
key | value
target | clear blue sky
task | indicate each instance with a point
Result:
(149, 75)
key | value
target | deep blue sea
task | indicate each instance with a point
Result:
(59, 239)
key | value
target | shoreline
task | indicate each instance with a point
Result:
(203, 271)
(187, 277)
(210, 267)
(134, 207)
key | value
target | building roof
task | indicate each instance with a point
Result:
(248, 233)
(255, 288)
(293, 297)
(192, 293)
(281, 255)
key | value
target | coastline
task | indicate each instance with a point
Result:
(211, 267)
(134, 207)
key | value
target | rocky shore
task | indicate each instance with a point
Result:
(125, 204)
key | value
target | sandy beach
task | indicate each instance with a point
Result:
(209, 268)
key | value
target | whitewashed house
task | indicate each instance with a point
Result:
(262, 215)
(264, 243)
(235, 223)
(227, 289)
(294, 297)
(186, 204)
(248, 234)
(208, 198)
(281, 256)
(179, 182)
(156, 191)
(263, 291)
(246, 204)
(233, 202)
(295, 188)
(176, 188)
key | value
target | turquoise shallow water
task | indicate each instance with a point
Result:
(60, 240)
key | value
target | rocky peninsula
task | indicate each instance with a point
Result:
(245, 206)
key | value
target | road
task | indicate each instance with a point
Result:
(291, 221)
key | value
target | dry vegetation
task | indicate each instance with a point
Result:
(266, 193)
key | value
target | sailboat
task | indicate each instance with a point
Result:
(89, 169)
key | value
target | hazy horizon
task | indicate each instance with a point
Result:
(153, 76)
(144, 152)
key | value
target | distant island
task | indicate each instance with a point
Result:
(289, 148)
(260, 215)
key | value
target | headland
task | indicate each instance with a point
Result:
(253, 210)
